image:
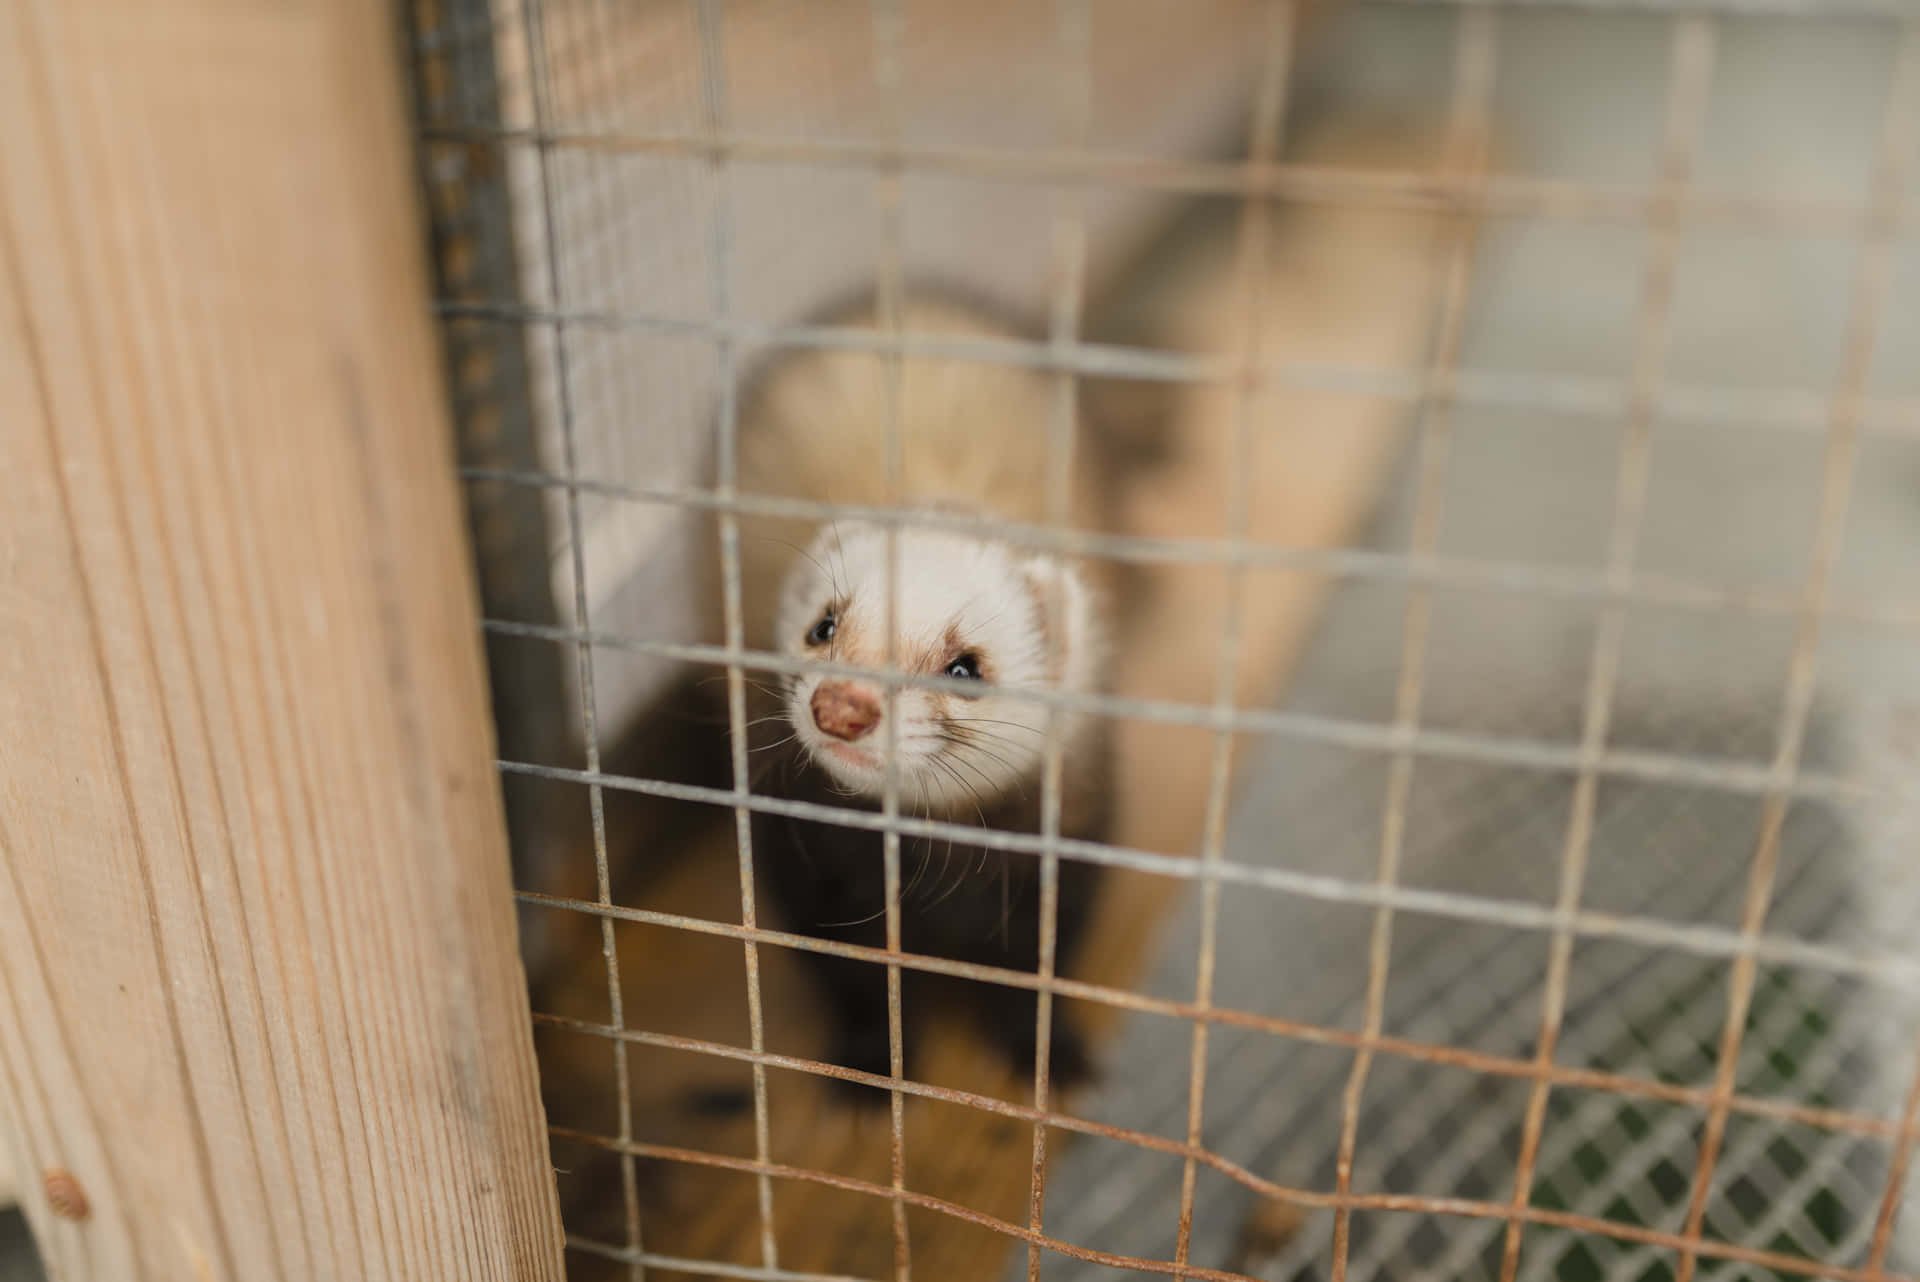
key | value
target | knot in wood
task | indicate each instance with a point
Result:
(65, 1196)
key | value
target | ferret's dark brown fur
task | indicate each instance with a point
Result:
(959, 900)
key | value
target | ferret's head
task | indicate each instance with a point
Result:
(969, 609)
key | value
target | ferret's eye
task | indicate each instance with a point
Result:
(964, 668)
(822, 632)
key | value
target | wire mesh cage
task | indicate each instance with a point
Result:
(1512, 871)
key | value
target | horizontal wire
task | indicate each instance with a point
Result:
(1763, 409)
(699, 1268)
(925, 1090)
(1429, 1052)
(1833, 1120)
(1343, 732)
(1358, 563)
(1705, 941)
(924, 1201)
(1389, 1202)
(1497, 196)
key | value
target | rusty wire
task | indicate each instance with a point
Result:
(1266, 118)
(1671, 203)
(714, 105)
(1689, 77)
(1455, 1206)
(1837, 1120)
(1468, 121)
(1705, 941)
(1872, 285)
(888, 23)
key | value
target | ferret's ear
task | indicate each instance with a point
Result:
(1061, 603)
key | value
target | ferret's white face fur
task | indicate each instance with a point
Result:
(969, 609)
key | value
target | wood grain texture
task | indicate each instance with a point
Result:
(259, 987)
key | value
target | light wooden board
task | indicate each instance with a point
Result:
(259, 988)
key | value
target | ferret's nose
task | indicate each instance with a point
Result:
(844, 710)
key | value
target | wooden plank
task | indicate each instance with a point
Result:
(259, 986)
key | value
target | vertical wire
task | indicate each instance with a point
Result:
(713, 92)
(889, 34)
(1903, 1146)
(1870, 289)
(534, 14)
(1689, 77)
(1473, 71)
(1073, 21)
(1280, 18)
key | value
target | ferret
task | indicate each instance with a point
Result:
(974, 612)
(971, 609)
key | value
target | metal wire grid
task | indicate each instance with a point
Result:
(629, 1180)
(672, 195)
(1073, 22)
(1431, 1129)
(1438, 387)
(1686, 107)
